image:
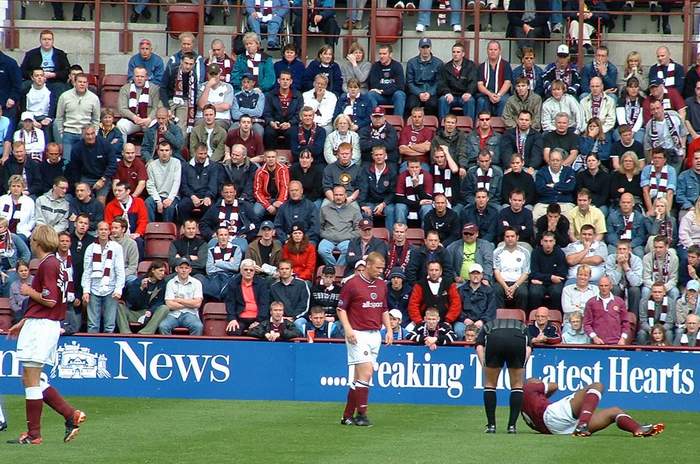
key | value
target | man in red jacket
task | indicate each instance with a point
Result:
(131, 208)
(435, 292)
(270, 187)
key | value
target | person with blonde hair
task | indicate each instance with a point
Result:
(254, 62)
(18, 208)
(355, 66)
(341, 134)
(627, 178)
(633, 68)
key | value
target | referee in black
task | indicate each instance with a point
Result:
(503, 342)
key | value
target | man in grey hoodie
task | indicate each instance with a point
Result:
(52, 208)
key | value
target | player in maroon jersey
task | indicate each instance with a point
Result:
(363, 309)
(38, 336)
(576, 413)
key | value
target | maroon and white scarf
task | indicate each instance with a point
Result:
(672, 129)
(628, 221)
(312, 135)
(226, 66)
(658, 181)
(666, 229)
(442, 181)
(231, 220)
(12, 216)
(253, 63)
(499, 72)
(565, 75)
(529, 74)
(139, 105)
(483, 179)
(264, 7)
(192, 95)
(395, 259)
(223, 254)
(663, 271)
(632, 111)
(651, 311)
(102, 262)
(33, 135)
(520, 139)
(596, 103)
(412, 196)
(443, 7)
(378, 132)
(6, 244)
(125, 210)
(67, 265)
(667, 73)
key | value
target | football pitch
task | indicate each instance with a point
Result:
(123, 430)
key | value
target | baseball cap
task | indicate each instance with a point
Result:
(266, 225)
(298, 226)
(26, 115)
(247, 76)
(213, 69)
(397, 272)
(378, 111)
(365, 224)
(181, 261)
(693, 285)
(563, 50)
(476, 267)
(470, 228)
(328, 270)
(361, 262)
(396, 314)
(425, 42)
(656, 82)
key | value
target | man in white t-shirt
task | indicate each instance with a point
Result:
(183, 297)
(511, 268)
(588, 251)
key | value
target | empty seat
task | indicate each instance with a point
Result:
(109, 92)
(6, 314)
(161, 230)
(157, 247)
(389, 26)
(415, 236)
(498, 124)
(431, 121)
(214, 319)
(182, 18)
(142, 268)
(34, 266)
(465, 123)
(285, 155)
(395, 120)
(381, 232)
(510, 313)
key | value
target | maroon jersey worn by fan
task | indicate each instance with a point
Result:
(365, 302)
(50, 281)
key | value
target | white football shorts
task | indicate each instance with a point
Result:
(37, 341)
(559, 418)
(366, 349)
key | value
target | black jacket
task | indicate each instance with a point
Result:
(465, 83)
(202, 181)
(311, 181)
(286, 329)
(479, 304)
(515, 16)
(241, 176)
(210, 221)
(448, 227)
(12, 167)
(32, 60)
(273, 108)
(148, 299)
(373, 192)
(389, 139)
(417, 267)
(533, 148)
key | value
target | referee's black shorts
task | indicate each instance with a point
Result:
(505, 347)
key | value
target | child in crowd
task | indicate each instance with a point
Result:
(318, 326)
(277, 327)
(572, 333)
(658, 336)
(470, 333)
(16, 298)
(395, 318)
(432, 332)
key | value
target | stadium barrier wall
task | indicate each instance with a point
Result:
(222, 369)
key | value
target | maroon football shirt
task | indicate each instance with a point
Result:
(50, 280)
(364, 301)
(535, 402)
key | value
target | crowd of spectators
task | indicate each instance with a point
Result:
(584, 201)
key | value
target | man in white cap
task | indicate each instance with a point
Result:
(562, 69)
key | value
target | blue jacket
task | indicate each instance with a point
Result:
(561, 192)
(249, 103)
(390, 140)
(154, 67)
(316, 148)
(398, 299)
(609, 80)
(586, 147)
(361, 109)
(332, 72)
(295, 296)
(31, 172)
(544, 266)
(21, 252)
(240, 176)
(279, 7)
(615, 224)
(539, 82)
(149, 299)
(273, 107)
(303, 211)
(202, 182)
(10, 80)
(92, 162)
(374, 191)
(235, 304)
(422, 76)
(479, 304)
(115, 139)
(172, 135)
(210, 221)
(296, 67)
(354, 251)
(266, 74)
(486, 221)
(688, 189)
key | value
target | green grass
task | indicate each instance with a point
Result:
(189, 431)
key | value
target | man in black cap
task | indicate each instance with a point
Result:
(363, 245)
(379, 133)
(421, 77)
(326, 293)
(399, 293)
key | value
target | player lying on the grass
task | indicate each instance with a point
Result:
(576, 413)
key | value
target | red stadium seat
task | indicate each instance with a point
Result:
(161, 230)
(395, 120)
(381, 233)
(182, 18)
(632, 318)
(415, 236)
(109, 92)
(286, 156)
(214, 319)
(389, 26)
(157, 247)
(142, 268)
(465, 123)
(431, 121)
(6, 314)
(181, 331)
(498, 124)
(509, 313)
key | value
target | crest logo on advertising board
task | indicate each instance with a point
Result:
(76, 362)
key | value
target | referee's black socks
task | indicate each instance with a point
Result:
(490, 405)
(516, 403)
